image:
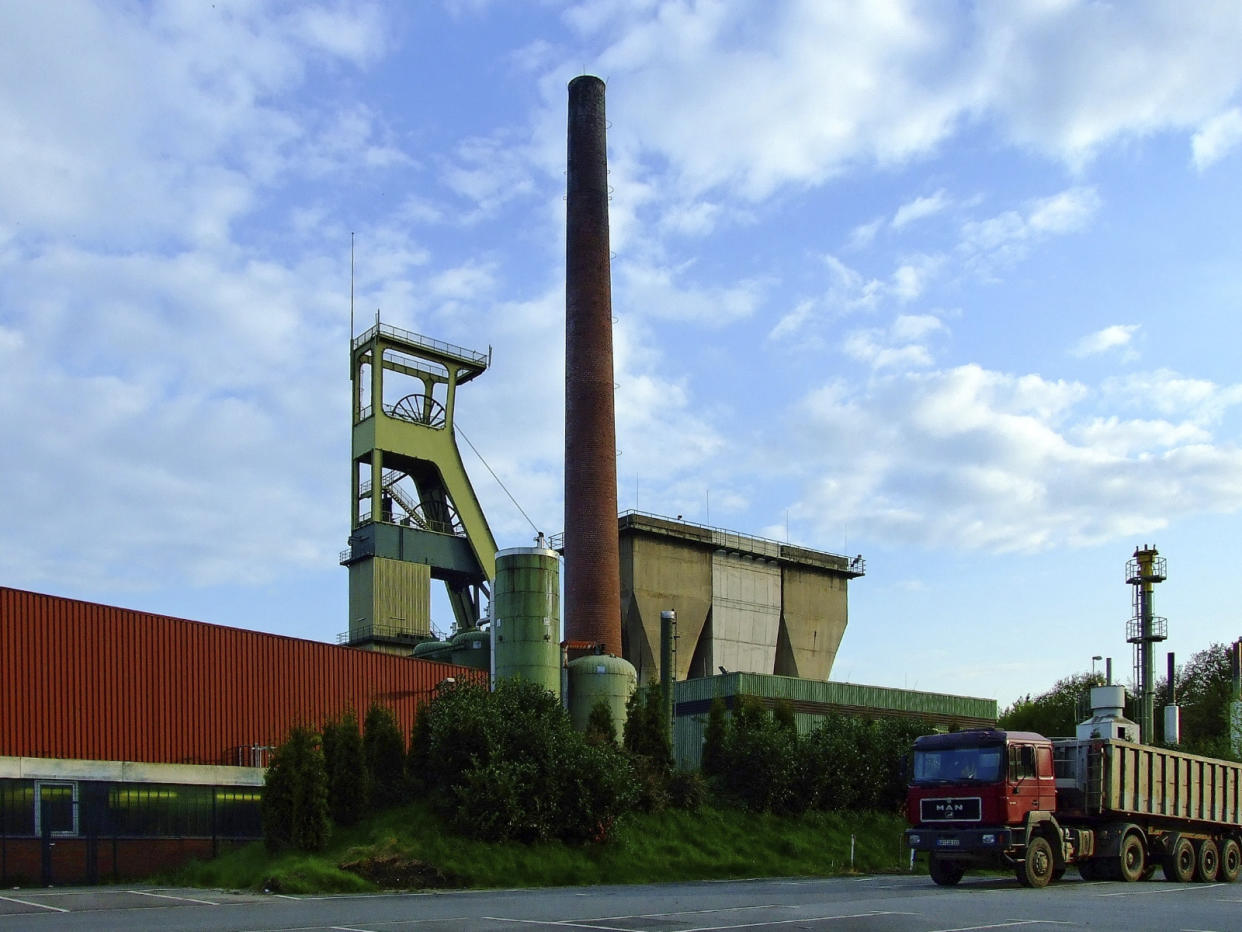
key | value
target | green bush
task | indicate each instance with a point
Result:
(759, 760)
(507, 765)
(712, 761)
(646, 732)
(384, 751)
(295, 795)
(850, 763)
(687, 790)
(345, 762)
(600, 728)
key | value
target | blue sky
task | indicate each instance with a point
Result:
(951, 285)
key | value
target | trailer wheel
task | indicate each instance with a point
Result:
(1036, 868)
(1207, 861)
(1230, 860)
(1180, 865)
(945, 873)
(1131, 860)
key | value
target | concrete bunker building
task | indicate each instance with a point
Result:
(743, 603)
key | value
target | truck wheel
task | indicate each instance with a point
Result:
(945, 873)
(1207, 861)
(1131, 860)
(1036, 868)
(1230, 860)
(1180, 866)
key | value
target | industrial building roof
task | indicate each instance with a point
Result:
(745, 544)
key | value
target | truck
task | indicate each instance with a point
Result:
(1113, 808)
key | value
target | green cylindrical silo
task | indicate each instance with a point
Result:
(600, 678)
(527, 616)
(472, 648)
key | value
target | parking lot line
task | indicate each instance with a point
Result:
(13, 899)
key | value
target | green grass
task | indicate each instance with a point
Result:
(643, 848)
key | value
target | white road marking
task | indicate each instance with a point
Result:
(567, 923)
(169, 896)
(13, 899)
(1158, 891)
(785, 922)
(1008, 925)
(684, 912)
(589, 924)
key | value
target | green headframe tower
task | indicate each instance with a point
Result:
(414, 516)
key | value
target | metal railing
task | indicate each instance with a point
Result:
(381, 633)
(730, 540)
(418, 339)
(1159, 629)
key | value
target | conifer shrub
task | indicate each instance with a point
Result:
(348, 796)
(294, 807)
(600, 728)
(384, 752)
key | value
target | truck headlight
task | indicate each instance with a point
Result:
(989, 839)
(914, 839)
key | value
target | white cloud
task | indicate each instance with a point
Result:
(1068, 78)
(1113, 337)
(490, 172)
(142, 126)
(793, 321)
(903, 345)
(657, 291)
(864, 234)
(694, 219)
(920, 208)
(1134, 437)
(1063, 79)
(968, 457)
(1066, 212)
(1217, 138)
(465, 282)
(911, 277)
(1006, 238)
(1163, 391)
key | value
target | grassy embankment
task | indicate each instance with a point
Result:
(410, 847)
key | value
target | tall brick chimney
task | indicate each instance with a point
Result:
(592, 564)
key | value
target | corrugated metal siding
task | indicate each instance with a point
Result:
(87, 681)
(811, 701)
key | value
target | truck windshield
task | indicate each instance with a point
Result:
(957, 765)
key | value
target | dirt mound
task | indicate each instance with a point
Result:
(394, 872)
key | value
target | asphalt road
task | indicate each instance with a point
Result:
(898, 903)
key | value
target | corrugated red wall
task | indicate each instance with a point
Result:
(87, 681)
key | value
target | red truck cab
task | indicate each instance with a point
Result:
(974, 797)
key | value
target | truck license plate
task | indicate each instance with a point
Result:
(947, 842)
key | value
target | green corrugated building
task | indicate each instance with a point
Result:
(812, 700)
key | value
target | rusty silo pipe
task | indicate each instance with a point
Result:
(592, 564)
